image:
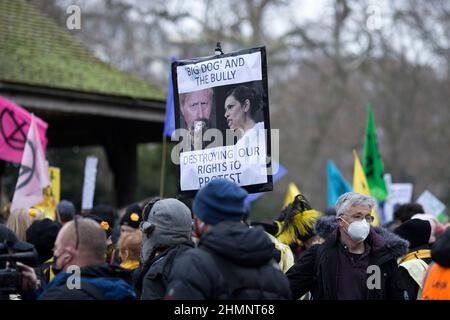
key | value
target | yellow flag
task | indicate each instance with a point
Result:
(292, 191)
(51, 194)
(360, 184)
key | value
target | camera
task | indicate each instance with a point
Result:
(10, 275)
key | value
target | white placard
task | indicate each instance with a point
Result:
(387, 179)
(398, 193)
(242, 163)
(90, 176)
(219, 72)
(430, 203)
(223, 99)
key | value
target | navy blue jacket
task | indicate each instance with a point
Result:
(104, 282)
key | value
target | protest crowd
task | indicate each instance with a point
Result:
(214, 250)
(165, 250)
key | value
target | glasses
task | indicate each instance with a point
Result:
(77, 232)
(368, 218)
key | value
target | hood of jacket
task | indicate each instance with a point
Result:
(379, 238)
(440, 251)
(112, 281)
(244, 246)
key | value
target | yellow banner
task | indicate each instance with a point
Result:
(291, 193)
(51, 194)
(360, 184)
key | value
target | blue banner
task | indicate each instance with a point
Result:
(337, 185)
(169, 125)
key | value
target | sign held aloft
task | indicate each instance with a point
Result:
(222, 117)
(52, 194)
(90, 176)
(430, 203)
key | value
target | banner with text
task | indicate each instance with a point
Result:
(222, 115)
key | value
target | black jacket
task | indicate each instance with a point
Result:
(157, 271)
(231, 262)
(317, 269)
(100, 282)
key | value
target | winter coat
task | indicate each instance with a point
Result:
(317, 270)
(100, 282)
(232, 261)
(157, 272)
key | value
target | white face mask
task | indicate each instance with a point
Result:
(358, 230)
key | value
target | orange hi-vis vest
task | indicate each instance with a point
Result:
(437, 283)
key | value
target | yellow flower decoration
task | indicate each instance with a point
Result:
(134, 217)
(104, 225)
(32, 212)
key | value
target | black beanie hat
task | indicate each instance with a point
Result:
(416, 231)
(103, 224)
(42, 234)
(132, 216)
(105, 213)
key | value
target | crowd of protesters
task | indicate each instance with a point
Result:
(165, 250)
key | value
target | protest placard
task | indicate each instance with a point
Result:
(51, 193)
(90, 176)
(222, 120)
(431, 203)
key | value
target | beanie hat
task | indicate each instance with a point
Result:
(416, 231)
(42, 234)
(220, 200)
(104, 212)
(66, 210)
(436, 227)
(169, 223)
(132, 216)
(103, 224)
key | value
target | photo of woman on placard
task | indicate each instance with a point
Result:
(241, 105)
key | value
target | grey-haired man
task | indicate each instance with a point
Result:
(356, 262)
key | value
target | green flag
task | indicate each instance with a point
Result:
(372, 163)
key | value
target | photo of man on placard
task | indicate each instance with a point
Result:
(196, 106)
(197, 114)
